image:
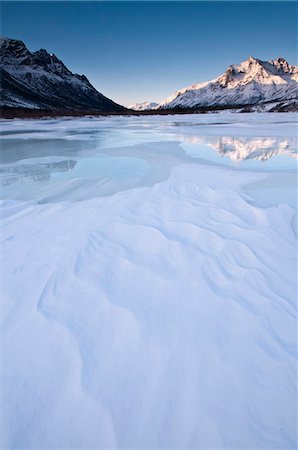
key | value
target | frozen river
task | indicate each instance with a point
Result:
(66, 159)
(149, 282)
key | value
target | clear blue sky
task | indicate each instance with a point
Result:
(137, 51)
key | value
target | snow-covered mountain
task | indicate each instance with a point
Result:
(39, 80)
(145, 106)
(244, 148)
(270, 85)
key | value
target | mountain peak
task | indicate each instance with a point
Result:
(144, 106)
(40, 80)
(252, 82)
(250, 63)
(280, 59)
(8, 41)
(281, 64)
(43, 58)
(251, 59)
(12, 48)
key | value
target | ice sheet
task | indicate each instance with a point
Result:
(149, 293)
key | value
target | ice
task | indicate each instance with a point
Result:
(149, 282)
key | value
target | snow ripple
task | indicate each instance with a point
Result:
(165, 317)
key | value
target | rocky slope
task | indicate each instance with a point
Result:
(144, 106)
(253, 84)
(39, 80)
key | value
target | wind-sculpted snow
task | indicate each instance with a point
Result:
(160, 314)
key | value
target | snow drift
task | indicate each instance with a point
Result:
(155, 315)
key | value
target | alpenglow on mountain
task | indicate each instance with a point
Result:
(254, 84)
(144, 106)
(38, 80)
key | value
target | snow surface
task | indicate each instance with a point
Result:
(253, 82)
(154, 309)
(144, 106)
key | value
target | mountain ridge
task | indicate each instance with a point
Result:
(39, 80)
(144, 106)
(250, 83)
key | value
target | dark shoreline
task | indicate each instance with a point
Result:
(14, 113)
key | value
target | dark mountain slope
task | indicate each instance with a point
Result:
(38, 80)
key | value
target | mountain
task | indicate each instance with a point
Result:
(145, 106)
(38, 80)
(267, 85)
(244, 148)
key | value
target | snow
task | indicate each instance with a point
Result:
(154, 309)
(144, 106)
(39, 80)
(251, 82)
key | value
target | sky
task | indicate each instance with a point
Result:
(145, 51)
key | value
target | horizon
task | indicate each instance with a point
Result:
(133, 66)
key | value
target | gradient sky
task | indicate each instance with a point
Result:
(137, 51)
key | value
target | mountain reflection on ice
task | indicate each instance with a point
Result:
(101, 156)
(240, 149)
(244, 153)
(39, 172)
